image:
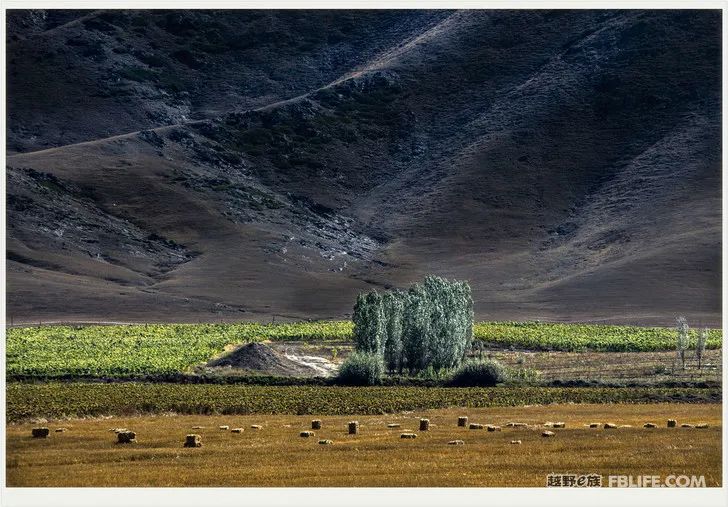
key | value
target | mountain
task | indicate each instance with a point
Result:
(230, 165)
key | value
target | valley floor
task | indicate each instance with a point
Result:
(87, 454)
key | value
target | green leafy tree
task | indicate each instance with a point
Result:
(369, 324)
(428, 326)
(393, 302)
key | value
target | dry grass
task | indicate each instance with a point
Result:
(86, 455)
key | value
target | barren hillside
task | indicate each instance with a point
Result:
(184, 166)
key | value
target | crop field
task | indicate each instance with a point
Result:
(59, 400)
(275, 455)
(580, 337)
(155, 349)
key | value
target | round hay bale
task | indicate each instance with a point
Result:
(408, 435)
(686, 425)
(516, 442)
(609, 426)
(548, 424)
(516, 425)
(456, 442)
(701, 426)
(649, 425)
(463, 421)
(259, 427)
(224, 427)
(126, 437)
(353, 427)
(316, 424)
(393, 425)
(547, 434)
(40, 432)
(594, 425)
(236, 430)
(193, 441)
(476, 426)
(326, 442)
(424, 425)
(61, 430)
(559, 425)
(671, 423)
(492, 427)
(307, 434)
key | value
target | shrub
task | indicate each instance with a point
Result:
(483, 373)
(361, 369)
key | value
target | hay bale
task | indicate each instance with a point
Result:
(701, 426)
(547, 434)
(559, 425)
(492, 427)
(610, 426)
(61, 430)
(307, 434)
(594, 425)
(476, 426)
(316, 424)
(456, 442)
(463, 421)
(236, 430)
(516, 425)
(424, 425)
(649, 425)
(224, 427)
(408, 435)
(126, 437)
(259, 427)
(686, 425)
(393, 425)
(671, 423)
(353, 427)
(193, 441)
(326, 442)
(40, 432)
(548, 424)
(516, 442)
(625, 425)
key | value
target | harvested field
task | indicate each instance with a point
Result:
(88, 456)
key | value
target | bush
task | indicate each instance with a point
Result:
(483, 373)
(361, 369)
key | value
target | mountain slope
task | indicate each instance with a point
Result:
(567, 163)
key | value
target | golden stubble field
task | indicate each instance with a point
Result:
(87, 455)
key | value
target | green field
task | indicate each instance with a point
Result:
(124, 351)
(60, 399)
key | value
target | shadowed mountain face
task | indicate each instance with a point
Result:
(205, 165)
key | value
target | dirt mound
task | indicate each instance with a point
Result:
(259, 358)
